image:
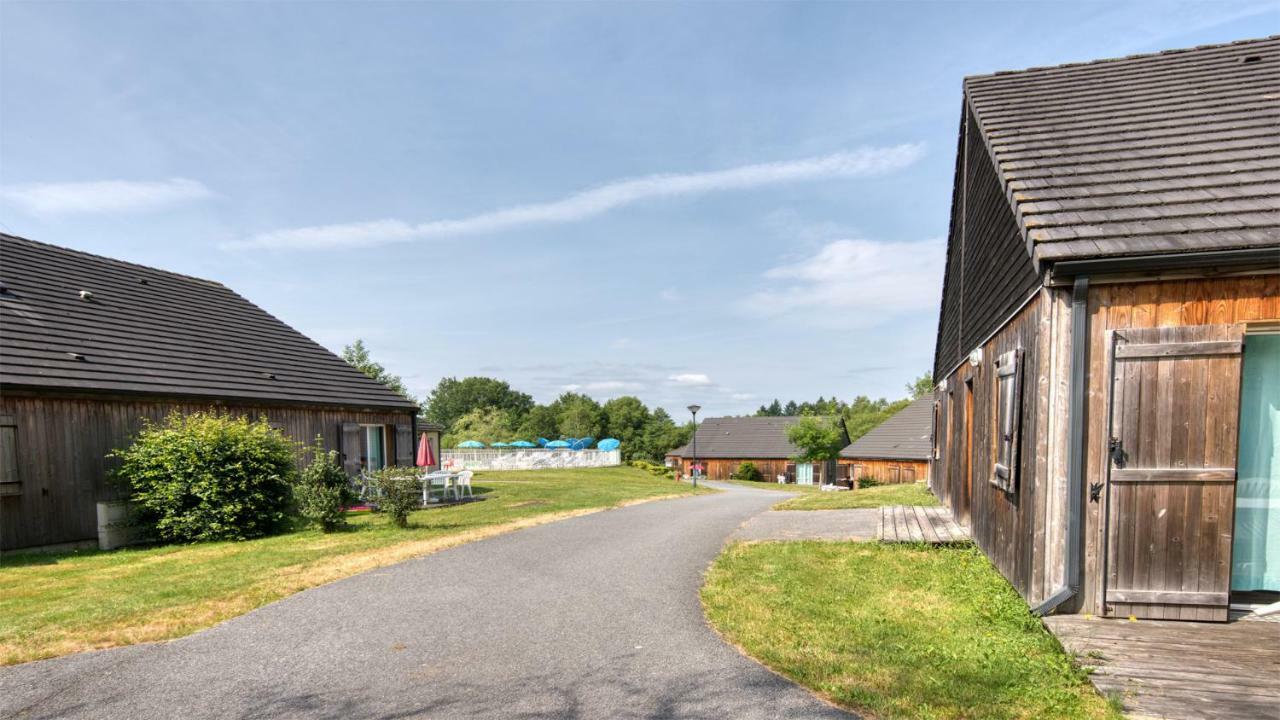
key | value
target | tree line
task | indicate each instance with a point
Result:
(490, 410)
(860, 416)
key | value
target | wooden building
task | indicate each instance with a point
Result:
(897, 450)
(91, 347)
(725, 443)
(1107, 359)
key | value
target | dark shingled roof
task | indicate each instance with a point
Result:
(1171, 152)
(154, 332)
(742, 437)
(905, 436)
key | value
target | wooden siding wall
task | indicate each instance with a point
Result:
(989, 272)
(62, 444)
(882, 470)
(1140, 305)
(1022, 532)
(770, 469)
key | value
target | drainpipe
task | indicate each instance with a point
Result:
(1070, 584)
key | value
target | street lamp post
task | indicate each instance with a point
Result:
(694, 409)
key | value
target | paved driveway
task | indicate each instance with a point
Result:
(594, 617)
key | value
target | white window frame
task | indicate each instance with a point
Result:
(368, 455)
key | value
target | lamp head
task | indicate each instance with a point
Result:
(694, 409)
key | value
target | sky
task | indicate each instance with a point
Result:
(691, 203)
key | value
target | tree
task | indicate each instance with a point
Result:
(357, 356)
(921, 386)
(452, 398)
(662, 434)
(818, 438)
(540, 422)
(791, 409)
(486, 424)
(626, 419)
(773, 409)
(579, 416)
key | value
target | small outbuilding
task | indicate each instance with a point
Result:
(92, 347)
(896, 451)
(723, 444)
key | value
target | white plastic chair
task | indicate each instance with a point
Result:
(463, 483)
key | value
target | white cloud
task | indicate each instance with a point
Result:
(104, 196)
(861, 280)
(690, 379)
(602, 386)
(670, 295)
(620, 343)
(742, 396)
(596, 201)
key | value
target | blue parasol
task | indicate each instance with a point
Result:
(471, 444)
(609, 444)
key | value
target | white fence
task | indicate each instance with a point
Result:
(528, 459)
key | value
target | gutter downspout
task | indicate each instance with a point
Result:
(1075, 448)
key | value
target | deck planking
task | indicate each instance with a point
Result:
(919, 524)
(1179, 670)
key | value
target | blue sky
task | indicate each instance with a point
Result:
(713, 203)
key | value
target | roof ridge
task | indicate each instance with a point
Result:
(111, 260)
(1135, 56)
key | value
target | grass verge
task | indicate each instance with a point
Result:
(903, 494)
(896, 631)
(54, 604)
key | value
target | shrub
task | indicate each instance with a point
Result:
(868, 482)
(399, 493)
(206, 476)
(322, 491)
(748, 471)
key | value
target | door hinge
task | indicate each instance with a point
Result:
(1095, 491)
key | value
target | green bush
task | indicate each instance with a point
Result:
(206, 477)
(399, 492)
(322, 491)
(868, 482)
(747, 471)
(653, 468)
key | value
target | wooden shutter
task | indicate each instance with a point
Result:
(1174, 412)
(908, 474)
(1008, 420)
(10, 483)
(349, 444)
(404, 446)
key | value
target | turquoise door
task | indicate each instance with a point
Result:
(1256, 547)
(804, 473)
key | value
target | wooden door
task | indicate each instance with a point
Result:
(1175, 399)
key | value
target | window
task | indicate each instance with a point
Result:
(1008, 416)
(9, 483)
(375, 447)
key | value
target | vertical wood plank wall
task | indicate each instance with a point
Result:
(62, 444)
(882, 470)
(1024, 534)
(1151, 304)
(1021, 532)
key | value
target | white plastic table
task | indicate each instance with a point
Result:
(447, 479)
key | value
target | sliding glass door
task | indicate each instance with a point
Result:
(1256, 548)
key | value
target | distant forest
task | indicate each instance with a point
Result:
(860, 415)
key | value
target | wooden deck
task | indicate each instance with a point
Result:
(1180, 670)
(917, 524)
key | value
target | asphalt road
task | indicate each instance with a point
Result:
(593, 617)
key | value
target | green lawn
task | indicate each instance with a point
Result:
(896, 631)
(903, 494)
(53, 604)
